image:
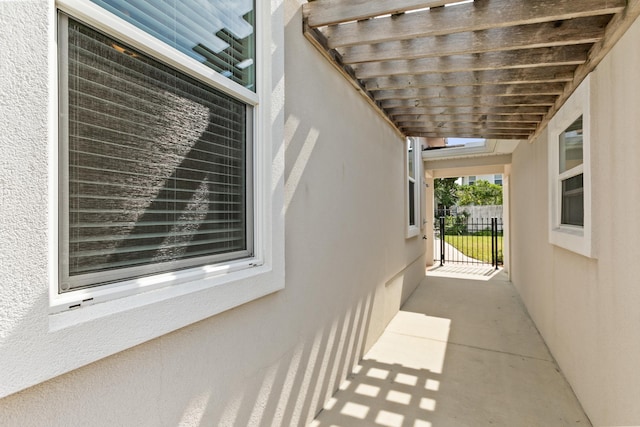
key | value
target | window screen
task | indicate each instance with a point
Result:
(155, 172)
(573, 201)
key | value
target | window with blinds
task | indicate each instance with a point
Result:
(217, 33)
(155, 165)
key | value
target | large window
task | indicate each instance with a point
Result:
(569, 178)
(156, 157)
(95, 117)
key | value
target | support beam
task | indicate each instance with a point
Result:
(468, 128)
(489, 101)
(468, 118)
(482, 126)
(615, 30)
(439, 165)
(548, 34)
(560, 74)
(541, 57)
(471, 91)
(329, 12)
(474, 16)
(508, 135)
(435, 110)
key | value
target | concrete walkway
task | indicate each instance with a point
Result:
(459, 353)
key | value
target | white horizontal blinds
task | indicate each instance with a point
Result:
(218, 33)
(157, 164)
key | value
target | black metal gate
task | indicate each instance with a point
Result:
(459, 239)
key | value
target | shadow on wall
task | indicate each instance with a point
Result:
(268, 362)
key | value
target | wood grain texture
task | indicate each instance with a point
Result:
(472, 134)
(467, 118)
(328, 12)
(550, 74)
(497, 101)
(471, 91)
(562, 33)
(487, 68)
(475, 16)
(541, 57)
(461, 110)
(615, 30)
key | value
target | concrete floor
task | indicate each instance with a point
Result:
(461, 352)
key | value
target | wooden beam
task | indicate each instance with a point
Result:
(329, 12)
(560, 74)
(474, 16)
(471, 91)
(615, 30)
(434, 127)
(492, 101)
(318, 41)
(457, 110)
(468, 118)
(541, 57)
(547, 34)
(474, 134)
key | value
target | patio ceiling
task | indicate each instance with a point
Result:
(495, 69)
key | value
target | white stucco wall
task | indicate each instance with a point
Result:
(273, 361)
(587, 309)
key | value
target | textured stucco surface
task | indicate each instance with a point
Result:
(34, 345)
(24, 132)
(270, 362)
(587, 309)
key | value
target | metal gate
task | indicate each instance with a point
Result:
(459, 239)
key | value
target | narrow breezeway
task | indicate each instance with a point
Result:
(462, 351)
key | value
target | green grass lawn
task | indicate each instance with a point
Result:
(477, 247)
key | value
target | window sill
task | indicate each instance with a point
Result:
(105, 303)
(572, 239)
(412, 232)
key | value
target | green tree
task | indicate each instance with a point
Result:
(446, 191)
(480, 193)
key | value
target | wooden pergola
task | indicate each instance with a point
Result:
(496, 69)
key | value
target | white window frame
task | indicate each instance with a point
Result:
(413, 230)
(62, 341)
(574, 238)
(195, 293)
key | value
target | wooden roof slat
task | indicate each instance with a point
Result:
(471, 91)
(328, 12)
(547, 34)
(434, 127)
(487, 68)
(474, 16)
(559, 74)
(497, 101)
(476, 134)
(457, 110)
(541, 57)
(615, 30)
(469, 118)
